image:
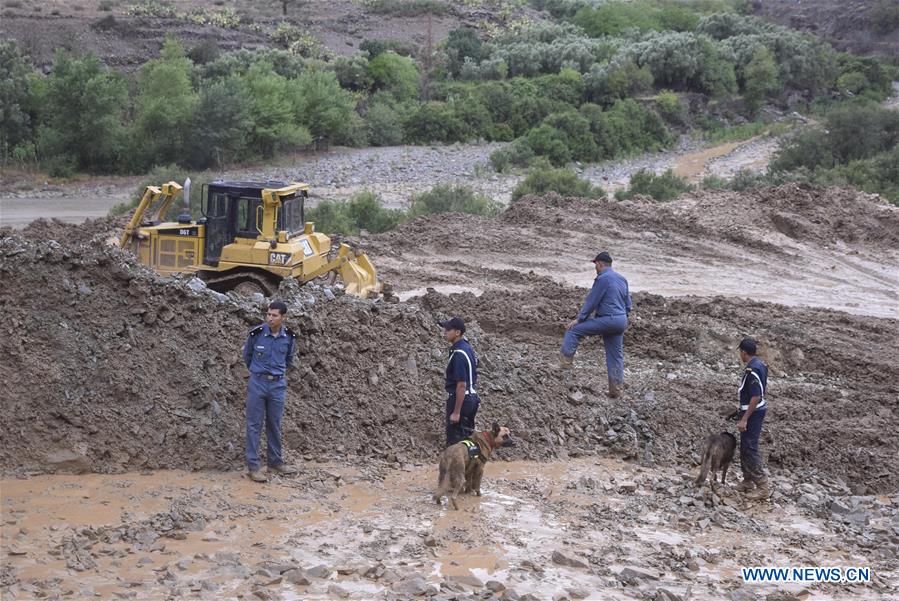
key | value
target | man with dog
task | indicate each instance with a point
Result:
(267, 352)
(462, 400)
(604, 313)
(751, 415)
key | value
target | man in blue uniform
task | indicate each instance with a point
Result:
(462, 400)
(752, 414)
(268, 352)
(604, 313)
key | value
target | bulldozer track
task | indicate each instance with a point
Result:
(228, 281)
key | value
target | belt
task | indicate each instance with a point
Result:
(757, 407)
(268, 377)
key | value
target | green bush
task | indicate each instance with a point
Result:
(434, 122)
(447, 198)
(385, 124)
(563, 181)
(714, 182)
(665, 186)
(220, 128)
(80, 110)
(626, 128)
(405, 8)
(462, 43)
(166, 104)
(323, 107)
(547, 141)
(331, 217)
(15, 120)
(669, 107)
(613, 18)
(352, 72)
(607, 83)
(366, 213)
(204, 53)
(516, 154)
(395, 74)
(271, 112)
(760, 79)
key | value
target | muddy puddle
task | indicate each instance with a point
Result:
(592, 528)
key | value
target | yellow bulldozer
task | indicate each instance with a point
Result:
(251, 235)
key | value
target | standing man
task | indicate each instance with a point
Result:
(268, 352)
(752, 414)
(462, 401)
(604, 313)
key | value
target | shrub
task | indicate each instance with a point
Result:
(405, 8)
(434, 122)
(205, 52)
(352, 72)
(714, 182)
(285, 34)
(564, 181)
(606, 83)
(366, 213)
(761, 79)
(547, 141)
(331, 217)
(462, 43)
(575, 131)
(669, 107)
(625, 128)
(81, 109)
(157, 176)
(665, 186)
(516, 154)
(394, 73)
(220, 127)
(385, 125)
(613, 18)
(271, 112)
(322, 106)
(447, 198)
(15, 120)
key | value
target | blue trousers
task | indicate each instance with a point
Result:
(265, 403)
(750, 459)
(465, 427)
(611, 328)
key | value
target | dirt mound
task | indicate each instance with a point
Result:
(109, 367)
(89, 231)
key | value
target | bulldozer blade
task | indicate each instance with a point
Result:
(358, 274)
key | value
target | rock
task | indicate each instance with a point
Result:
(338, 592)
(297, 576)
(578, 593)
(414, 587)
(465, 579)
(510, 595)
(628, 487)
(196, 284)
(663, 594)
(68, 461)
(257, 297)
(529, 597)
(329, 294)
(837, 507)
(319, 571)
(430, 541)
(495, 586)
(564, 559)
(633, 576)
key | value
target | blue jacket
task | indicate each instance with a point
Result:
(609, 296)
(753, 383)
(462, 367)
(267, 354)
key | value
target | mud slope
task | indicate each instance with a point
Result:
(795, 245)
(108, 368)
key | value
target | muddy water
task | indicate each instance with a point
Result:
(354, 519)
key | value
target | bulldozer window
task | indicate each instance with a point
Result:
(246, 217)
(290, 217)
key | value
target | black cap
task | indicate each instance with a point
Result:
(604, 256)
(454, 324)
(749, 345)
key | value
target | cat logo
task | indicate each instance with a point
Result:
(279, 258)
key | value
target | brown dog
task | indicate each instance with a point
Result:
(719, 452)
(462, 464)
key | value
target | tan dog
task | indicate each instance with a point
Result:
(462, 464)
(718, 453)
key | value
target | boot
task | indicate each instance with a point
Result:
(257, 476)
(762, 492)
(614, 390)
(283, 469)
(746, 485)
(564, 362)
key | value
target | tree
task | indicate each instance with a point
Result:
(761, 78)
(15, 122)
(81, 115)
(461, 43)
(396, 74)
(271, 112)
(322, 106)
(221, 126)
(166, 103)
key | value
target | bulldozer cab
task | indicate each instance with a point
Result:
(234, 210)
